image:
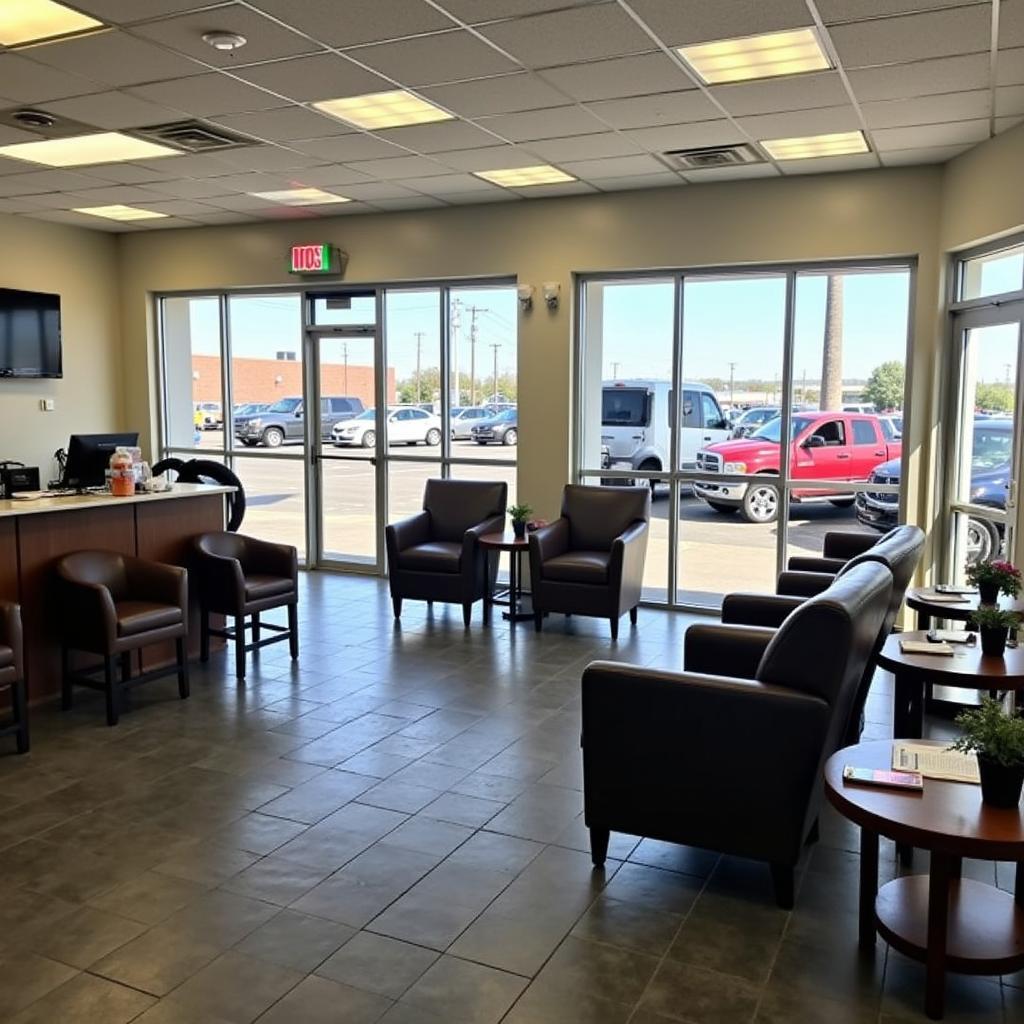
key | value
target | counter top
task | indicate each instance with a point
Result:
(11, 507)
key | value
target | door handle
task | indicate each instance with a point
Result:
(638, 437)
(843, 455)
(880, 453)
(707, 437)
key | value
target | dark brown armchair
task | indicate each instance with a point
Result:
(435, 555)
(590, 561)
(112, 605)
(837, 549)
(242, 577)
(12, 673)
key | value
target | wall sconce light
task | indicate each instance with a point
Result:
(278, 380)
(195, 375)
(525, 293)
(551, 292)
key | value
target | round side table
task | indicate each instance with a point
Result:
(927, 609)
(947, 922)
(518, 609)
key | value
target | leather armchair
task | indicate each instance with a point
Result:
(435, 555)
(112, 605)
(838, 548)
(12, 673)
(590, 561)
(242, 577)
(731, 763)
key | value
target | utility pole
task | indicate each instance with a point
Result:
(1008, 367)
(615, 370)
(473, 311)
(732, 385)
(344, 352)
(455, 393)
(494, 391)
(418, 335)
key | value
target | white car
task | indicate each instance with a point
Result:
(463, 420)
(406, 424)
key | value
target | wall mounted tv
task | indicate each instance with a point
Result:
(29, 334)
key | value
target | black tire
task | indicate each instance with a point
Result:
(983, 540)
(724, 510)
(205, 471)
(370, 439)
(177, 465)
(651, 466)
(760, 503)
(842, 502)
(250, 444)
(481, 442)
(273, 437)
(433, 437)
(511, 437)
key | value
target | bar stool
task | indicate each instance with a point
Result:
(12, 673)
(243, 577)
(112, 605)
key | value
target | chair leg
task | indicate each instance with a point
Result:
(126, 666)
(538, 621)
(204, 634)
(293, 631)
(467, 613)
(255, 627)
(111, 688)
(19, 706)
(182, 655)
(239, 646)
(782, 879)
(614, 620)
(599, 845)
(396, 603)
(65, 678)
(633, 614)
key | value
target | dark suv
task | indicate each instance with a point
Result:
(285, 421)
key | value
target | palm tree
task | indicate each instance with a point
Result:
(832, 350)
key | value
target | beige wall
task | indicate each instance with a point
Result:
(877, 213)
(81, 266)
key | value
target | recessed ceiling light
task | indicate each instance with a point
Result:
(119, 212)
(101, 148)
(301, 197)
(772, 55)
(28, 21)
(224, 41)
(836, 144)
(518, 177)
(383, 110)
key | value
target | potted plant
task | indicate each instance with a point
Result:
(998, 740)
(994, 624)
(993, 578)
(519, 514)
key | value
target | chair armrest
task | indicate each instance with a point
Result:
(845, 544)
(804, 584)
(814, 563)
(758, 609)
(264, 556)
(222, 585)
(469, 539)
(733, 651)
(407, 533)
(88, 612)
(165, 584)
(11, 635)
(548, 542)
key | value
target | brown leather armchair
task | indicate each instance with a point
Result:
(112, 605)
(12, 673)
(590, 561)
(728, 754)
(243, 577)
(435, 555)
(837, 549)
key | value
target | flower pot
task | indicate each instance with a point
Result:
(519, 529)
(988, 593)
(993, 640)
(1000, 784)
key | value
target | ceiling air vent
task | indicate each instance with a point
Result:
(194, 136)
(711, 156)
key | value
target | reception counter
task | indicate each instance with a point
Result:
(37, 532)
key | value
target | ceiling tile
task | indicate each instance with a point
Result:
(113, 57)
(129, 174)
(958, 106)
(357, 21)
(414, 203)
(189, 188)
(192, 165)
(585, 147)
(616, 167)
(829, 164)
(738, 173)
(666, 179)
(83, 220)
(10, 136)
(375, 190)
(555, 122)
(824, 89)
(475, 12)
(647, 111)
(498, 195)
(284, 124)
(501, 95)
(321, 77)
(835, 11)
(178, 207)
(684, 136)
(928, 136)
(910, 157)
(125, 11)
(49, 201)
(434, 59)
(223, 217)
(621, 76)
(489, 158)
(398, 167)
(115, 194)
(240, 203)
(356, 146)
(442, 135)
(561, 37)
(1010, 101)
(207, 95)
(443, 184)
(25, 81)
(113, 110)
(19, 204)
(265, 39)
(266, 158)
(1011, 23)
(568, 188)
(330, 177)
(921, 78)
(677, 22)
(1004, 124)
(817, 121)
(913, 36)
(1009, 67)
(43, 181)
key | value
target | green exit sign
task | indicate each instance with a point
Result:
(315, 258)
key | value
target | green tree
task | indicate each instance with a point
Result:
(885, 386)
(994, 397)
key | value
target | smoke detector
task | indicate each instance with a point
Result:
(226, 42)
(34, 118)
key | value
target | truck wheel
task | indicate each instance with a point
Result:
(273, 437)
(761, 503)
(717, 506)
(983, 540)
(841, 502)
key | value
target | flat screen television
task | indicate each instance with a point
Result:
(29, 334)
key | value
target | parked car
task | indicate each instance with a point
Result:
(892, 424)
(864, 407)
(825, 446)
(464, 419)
(636, 422)
(406, 424)
(753, 419)
(285, 421)
(249, 409)
(501, 428)
(991, 457)
(213, 416)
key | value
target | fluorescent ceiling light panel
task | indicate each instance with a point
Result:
(28, 21)
(519, 177)
(78, 150)
(804, 147)
(383, 110)
(119, 212)
(792, 52)
(301, 197)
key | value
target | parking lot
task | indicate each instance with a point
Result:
(716, 554)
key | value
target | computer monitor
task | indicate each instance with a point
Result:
(89, 457)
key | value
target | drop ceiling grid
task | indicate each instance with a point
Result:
(540, 50)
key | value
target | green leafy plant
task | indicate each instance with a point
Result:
(994, 617)
(519, 513)
(991, 733)
(1003, 575)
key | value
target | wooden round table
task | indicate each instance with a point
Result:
(947, 922)
(506, 540)
(928, 609)
(968, 669)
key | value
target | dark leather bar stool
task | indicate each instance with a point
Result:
(12, 673)
(112, 605)
(243, 577)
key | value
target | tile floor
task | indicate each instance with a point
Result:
(391, 831)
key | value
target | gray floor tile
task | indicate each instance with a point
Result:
(295, 940)
(378, 964)
(86, 935)
(86, 1000)
(465, 992)
(319, 1000)
(28, 977)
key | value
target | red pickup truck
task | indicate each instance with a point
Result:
(826, 446)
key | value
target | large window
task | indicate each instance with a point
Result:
(689, 381)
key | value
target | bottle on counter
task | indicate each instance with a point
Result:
(122, 473)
